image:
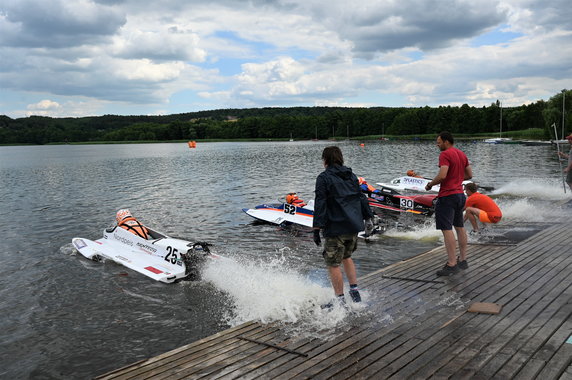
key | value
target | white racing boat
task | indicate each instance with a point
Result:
(283, 213)
(160, 257)
(414, 184)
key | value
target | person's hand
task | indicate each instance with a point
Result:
(317, 239)
(428, 186)
(368, 227)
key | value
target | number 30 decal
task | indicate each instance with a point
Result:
(289, 209)
(172, 255)
(406, 203)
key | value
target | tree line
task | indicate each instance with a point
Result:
(296, 122)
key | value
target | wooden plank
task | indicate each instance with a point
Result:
(485, 308)
(556, 353)
(370, 354)
(452, 350)
(485, 343)
(559, 282)
(489, 344)
(131, 370)
(266, 359)
(230, 353)
(525, 344)
(198, 355)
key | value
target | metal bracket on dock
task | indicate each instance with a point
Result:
(412, 279)
(273, 346)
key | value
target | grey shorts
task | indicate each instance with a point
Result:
(338, 248)
(569, 177)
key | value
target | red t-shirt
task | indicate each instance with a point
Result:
(457, 161)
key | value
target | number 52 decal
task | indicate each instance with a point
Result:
(289, 209)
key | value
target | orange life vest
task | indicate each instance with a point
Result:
(293, 199)
(132, 225)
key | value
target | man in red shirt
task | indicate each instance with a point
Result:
(480, 207)
(454, 167)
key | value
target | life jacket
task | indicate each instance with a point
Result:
(292, 198)
(365, 187)
(132, 225)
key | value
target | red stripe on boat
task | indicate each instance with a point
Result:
(154, 270)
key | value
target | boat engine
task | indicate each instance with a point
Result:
(194, 259)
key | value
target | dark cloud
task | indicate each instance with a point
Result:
(58, 24)
(419, 24)
(550, 15)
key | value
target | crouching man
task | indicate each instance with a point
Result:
(480, 207)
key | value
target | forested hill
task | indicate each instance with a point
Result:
(298, 122)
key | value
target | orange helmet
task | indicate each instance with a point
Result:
(411, 173)
(122, 214)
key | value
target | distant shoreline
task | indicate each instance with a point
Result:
(528, 134)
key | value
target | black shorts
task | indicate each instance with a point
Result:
(449, 211)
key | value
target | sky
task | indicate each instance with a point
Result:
(74, 58)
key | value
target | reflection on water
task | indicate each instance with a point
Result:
(64, 316)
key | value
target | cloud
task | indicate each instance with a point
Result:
(44, 105)
(57, 23)
(140, 56)
(162, 42)
(378, 27)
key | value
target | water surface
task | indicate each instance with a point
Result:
(62, 316)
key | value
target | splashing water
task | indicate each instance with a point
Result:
(527, 210)
(275, 292)
(425, 231)
(542, 188)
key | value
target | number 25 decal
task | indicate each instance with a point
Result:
(289, 209)
(406, 203)
(171, 255)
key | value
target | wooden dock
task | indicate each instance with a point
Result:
(431, 333)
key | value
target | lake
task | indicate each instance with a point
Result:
(63, 316)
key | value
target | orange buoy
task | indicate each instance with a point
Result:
(192, 144)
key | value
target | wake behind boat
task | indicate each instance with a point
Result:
(159, 256)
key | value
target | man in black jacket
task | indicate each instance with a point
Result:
(339, 211)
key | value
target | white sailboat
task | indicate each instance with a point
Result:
(500, 139)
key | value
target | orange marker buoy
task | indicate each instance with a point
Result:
(192, 144)
(362, 144)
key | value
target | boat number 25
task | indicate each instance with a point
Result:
(172, 256)
(289, 209)
(406, 203)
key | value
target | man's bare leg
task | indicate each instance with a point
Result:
(337, 280)
(450, 246)
(462, 237)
